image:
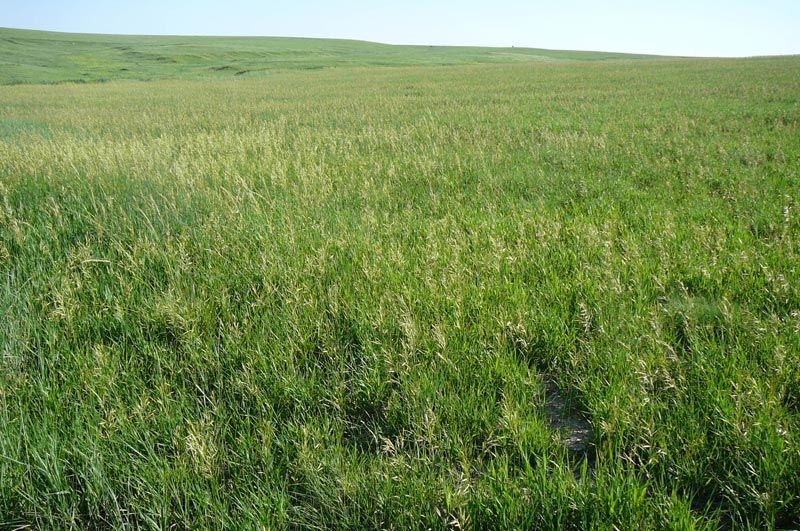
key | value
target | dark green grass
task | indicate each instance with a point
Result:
(28, 56)
(342, 299)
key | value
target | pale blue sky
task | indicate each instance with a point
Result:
(678, 27)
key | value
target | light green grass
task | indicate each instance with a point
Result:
(28, 56)
(346, 298)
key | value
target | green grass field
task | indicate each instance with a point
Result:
(541, 294)
(46, 57)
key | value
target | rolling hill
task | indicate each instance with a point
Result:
(28, 56)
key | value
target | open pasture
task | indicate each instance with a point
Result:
(541, 294)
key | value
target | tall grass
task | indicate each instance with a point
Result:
(347, 298)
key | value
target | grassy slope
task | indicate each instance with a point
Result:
(28, 56)
(344, 298)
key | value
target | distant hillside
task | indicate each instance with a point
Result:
(28, 56)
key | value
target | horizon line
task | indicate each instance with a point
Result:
(499, 47)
